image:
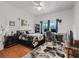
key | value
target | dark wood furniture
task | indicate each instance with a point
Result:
(37, 28)
(14, 39)
(69, 51)
(73, 51)
(11, 40)
(29, 41)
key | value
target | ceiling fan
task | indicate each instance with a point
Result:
(39, 5)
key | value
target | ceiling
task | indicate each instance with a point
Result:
(50, 6)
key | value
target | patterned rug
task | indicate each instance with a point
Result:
(47, 50)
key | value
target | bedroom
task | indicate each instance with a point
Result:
(28, 26)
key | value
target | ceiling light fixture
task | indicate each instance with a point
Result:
(39, 5)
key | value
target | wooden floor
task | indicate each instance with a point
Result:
(16, 51)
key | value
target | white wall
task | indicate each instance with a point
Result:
(66, 16)
(76, 20)
(8, 13)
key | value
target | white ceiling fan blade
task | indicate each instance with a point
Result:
(42, 4)
(35, 3)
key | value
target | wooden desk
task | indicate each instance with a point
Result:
(70, 51)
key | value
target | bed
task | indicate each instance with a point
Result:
(32, 40)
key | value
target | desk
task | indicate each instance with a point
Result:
(70, 51)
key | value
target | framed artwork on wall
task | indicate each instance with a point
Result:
(23, 22)
(11, 23)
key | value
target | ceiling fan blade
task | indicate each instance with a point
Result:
(34, 3)
(42, 4)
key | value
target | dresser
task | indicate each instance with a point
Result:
(10, 41)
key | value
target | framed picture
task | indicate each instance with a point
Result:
(11, 23)
(23, 22)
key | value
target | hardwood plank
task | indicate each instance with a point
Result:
(16, 51)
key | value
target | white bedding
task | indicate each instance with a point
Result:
(38, 35)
